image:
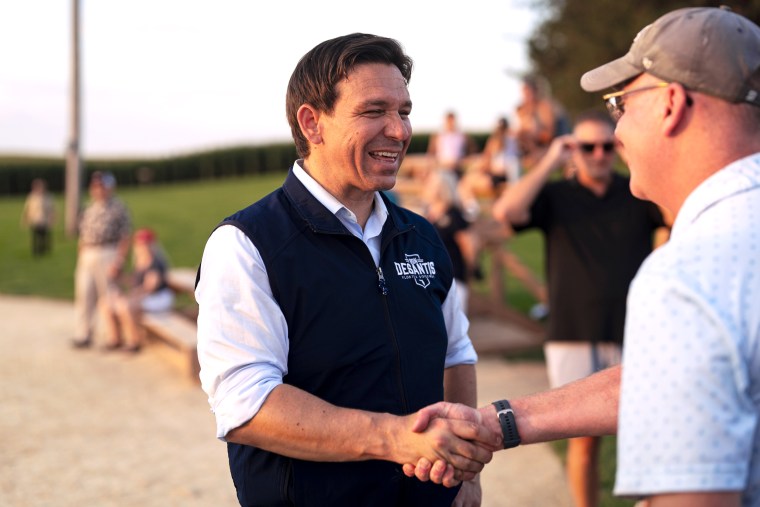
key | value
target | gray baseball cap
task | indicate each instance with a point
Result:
(707, 49)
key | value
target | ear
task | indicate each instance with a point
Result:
(308, 120)
(676, 109)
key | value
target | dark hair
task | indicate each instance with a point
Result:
(596, 116)
(318, 72)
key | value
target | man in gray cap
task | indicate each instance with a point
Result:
(687, 107)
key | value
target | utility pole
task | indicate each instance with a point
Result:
(73, 162)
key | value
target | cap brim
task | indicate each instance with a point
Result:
(609, 75)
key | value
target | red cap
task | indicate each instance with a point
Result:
(145, 235)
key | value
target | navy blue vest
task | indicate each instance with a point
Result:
(360, 337)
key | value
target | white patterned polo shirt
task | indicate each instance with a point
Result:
(690, 392)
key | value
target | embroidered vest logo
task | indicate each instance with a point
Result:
(417, 269)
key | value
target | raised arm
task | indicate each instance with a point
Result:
(513, 206)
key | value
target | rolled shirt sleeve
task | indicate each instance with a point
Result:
(242, 334)
(460, 349)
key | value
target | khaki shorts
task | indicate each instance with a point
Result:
(569, 361)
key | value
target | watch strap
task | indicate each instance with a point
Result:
(508, 425)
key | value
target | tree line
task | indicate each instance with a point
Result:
(575, 36)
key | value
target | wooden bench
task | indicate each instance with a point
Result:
(180, 334)
(182, 280)
(176, 329)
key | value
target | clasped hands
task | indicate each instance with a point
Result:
(480, 430)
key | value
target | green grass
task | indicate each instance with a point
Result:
(183, 216)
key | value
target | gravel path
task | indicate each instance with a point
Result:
(86, 428)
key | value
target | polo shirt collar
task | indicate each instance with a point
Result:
(739, 176)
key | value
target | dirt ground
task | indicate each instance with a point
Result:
(88, 428)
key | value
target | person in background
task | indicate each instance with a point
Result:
(443, 209)
(449, 147)
(498, 164)
(145, 290)
(328, 315)
(39, 216)
(539, 117)
(597, 234)
(687, 107)
(104, 237)
(501, 155)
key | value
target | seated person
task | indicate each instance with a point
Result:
(145, 290)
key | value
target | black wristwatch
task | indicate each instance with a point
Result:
(508, 425)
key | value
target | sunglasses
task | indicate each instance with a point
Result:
(615, 101)
(607, 147)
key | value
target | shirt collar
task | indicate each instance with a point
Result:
(739, 176)
(379, 209)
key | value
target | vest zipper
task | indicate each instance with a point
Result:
(383, 288)
(381, 282)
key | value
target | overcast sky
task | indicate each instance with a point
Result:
(161, 77)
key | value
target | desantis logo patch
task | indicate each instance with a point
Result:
(417, 269)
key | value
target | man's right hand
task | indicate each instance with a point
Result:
(488, 436)
(460, 442)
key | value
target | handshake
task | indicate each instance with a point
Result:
(461, 440)
(465, 439)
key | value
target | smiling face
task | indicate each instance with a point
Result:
(357, 149)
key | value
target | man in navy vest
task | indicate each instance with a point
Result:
(329, 316)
